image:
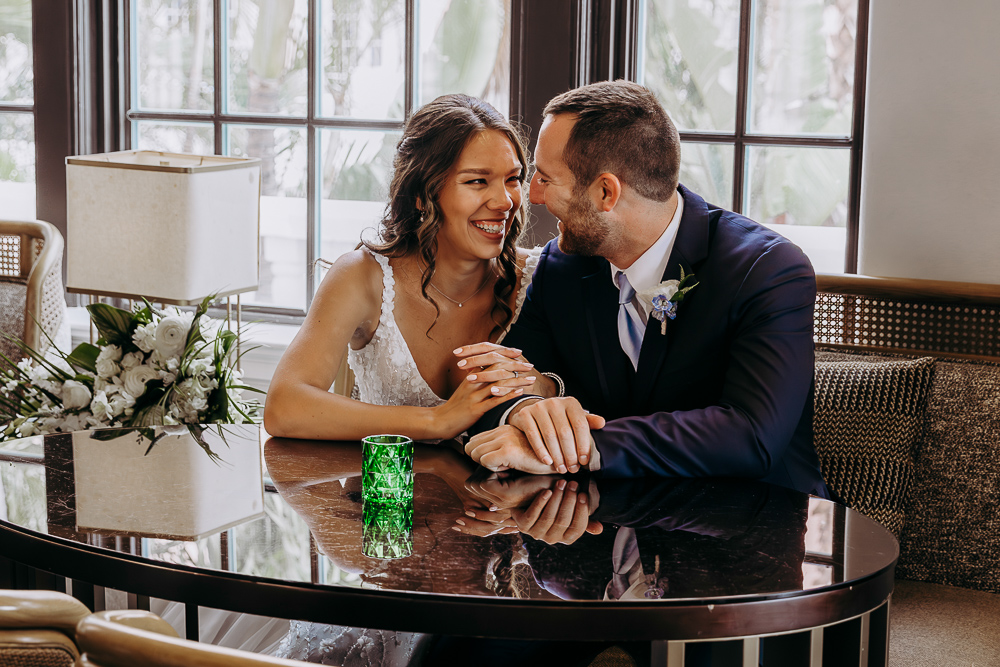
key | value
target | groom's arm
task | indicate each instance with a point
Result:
(763, 394)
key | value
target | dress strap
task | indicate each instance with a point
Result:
(388, 283)
(530, 263)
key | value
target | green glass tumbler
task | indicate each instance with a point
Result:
(387, 469)
(388, 530)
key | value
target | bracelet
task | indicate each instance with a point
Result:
(559, 381)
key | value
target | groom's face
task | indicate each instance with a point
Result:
(582, 228)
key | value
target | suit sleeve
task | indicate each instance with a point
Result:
(531, 334)
(766, 384)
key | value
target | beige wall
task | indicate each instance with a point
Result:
(930, 200)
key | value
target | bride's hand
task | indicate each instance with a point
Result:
(471, 401)
(505, 367)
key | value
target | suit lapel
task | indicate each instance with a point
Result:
(600, 301)
(690, 249)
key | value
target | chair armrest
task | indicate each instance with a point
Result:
(40, 609)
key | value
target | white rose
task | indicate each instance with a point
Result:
(171, 334)
(144, 336)
(131, 360)
(75, 395)
(134, 379)
(107, 368)
(112, 352)
(100, 406)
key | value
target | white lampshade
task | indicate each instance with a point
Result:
(170, 227)
(174, 491)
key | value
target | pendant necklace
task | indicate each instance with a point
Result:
(466, 300)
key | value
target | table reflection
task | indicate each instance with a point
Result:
(541, 536)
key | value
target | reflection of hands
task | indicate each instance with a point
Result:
(503, 448)
(558, 431)
(558, 515)
(502, 490)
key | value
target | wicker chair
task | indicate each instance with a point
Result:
(37, 628)
(31, 290)
(126, 637)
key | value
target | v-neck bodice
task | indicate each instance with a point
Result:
(384, 369)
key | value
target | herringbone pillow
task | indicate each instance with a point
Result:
(868, 417)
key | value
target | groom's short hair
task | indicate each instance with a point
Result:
(621, 128)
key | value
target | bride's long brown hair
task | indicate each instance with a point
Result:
(433, 138)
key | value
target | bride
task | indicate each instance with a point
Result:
(445, 272)
(419, 312)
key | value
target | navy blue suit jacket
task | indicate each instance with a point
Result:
(726, 392)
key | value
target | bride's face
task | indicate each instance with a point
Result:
(481, 194)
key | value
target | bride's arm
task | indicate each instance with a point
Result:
(347, 308)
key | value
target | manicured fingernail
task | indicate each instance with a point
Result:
(519, 391)
(457, 350)
(456, 528)
(547, 493)
(561, 484)
(574, 468)
(495, 390)
(471, 378)
(529, 365)
(531, 378)
(582, 498)
(493, 508)
(470, 513)
(547, 460)
(459, 522)
(462, 363)
(584, 459)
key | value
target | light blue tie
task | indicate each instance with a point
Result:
(630, 329)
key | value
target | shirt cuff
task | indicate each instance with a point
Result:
(594, 464)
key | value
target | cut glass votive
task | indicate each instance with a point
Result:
(388, 530)
(387, 469)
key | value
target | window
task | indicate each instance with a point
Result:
(318, 89)
(768, 98)
(17, 123)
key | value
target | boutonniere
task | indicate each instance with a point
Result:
(663, 299)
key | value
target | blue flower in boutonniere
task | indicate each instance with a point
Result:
(663, 299)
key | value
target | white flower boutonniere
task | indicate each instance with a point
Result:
(663, 299)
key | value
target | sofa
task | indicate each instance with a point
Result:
(907, 427)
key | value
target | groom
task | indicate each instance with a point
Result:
(723, 385)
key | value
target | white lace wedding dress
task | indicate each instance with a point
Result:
(386, 374)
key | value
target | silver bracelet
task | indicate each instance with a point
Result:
(559, 381)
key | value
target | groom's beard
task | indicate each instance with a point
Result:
(587, 232)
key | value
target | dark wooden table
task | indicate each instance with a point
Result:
(234, 520)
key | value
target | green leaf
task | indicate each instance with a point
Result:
(84, 357)
(113, 324)
(149, 416)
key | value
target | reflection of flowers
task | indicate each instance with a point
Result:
(149, 367)
(663, 299)
(153, 435)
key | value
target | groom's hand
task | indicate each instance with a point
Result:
(558, 431)
(505, 448)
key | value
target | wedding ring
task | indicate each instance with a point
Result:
(515, 374)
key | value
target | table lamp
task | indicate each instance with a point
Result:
(169, 227)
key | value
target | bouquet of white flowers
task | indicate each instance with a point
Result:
(149, 367)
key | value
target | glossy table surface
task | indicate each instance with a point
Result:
(237, 520)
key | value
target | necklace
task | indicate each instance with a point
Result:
(466, 300)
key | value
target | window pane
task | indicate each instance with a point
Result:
(689, 60)
(174, 41)
(268, 44)
(284, 156)
(357, 167)
(708, 170)
(465, 48)
(17, 165)
(802, 78)
(802, 193)
(195, 138)
(363, 58)
(15, 51)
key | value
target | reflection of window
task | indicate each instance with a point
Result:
(318, 89)
(17, 124)
(769, 110)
